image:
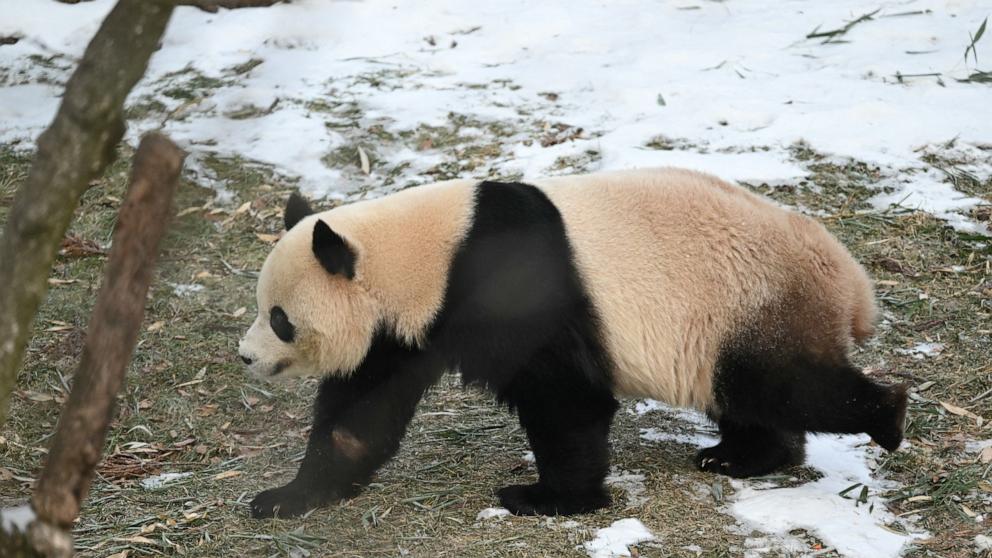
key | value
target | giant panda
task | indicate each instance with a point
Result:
(560, 296)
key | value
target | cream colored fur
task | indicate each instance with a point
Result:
(679, 263)
(404, 245)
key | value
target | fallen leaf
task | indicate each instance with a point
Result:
(364, 159)
(156, 326)
(121, 554)
(36, 396)
(189, 210)
(955, 410)
(267, 238)
(986, 455)
(244, 207)
(56, 282)
(77, 247)
(239, 312)
(227, 475)
(140, 540)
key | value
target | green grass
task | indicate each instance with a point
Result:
(188, 407)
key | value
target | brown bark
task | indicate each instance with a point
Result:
(73, 151)
(112, 333)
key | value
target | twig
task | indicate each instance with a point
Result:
(834, 33)
(112, 332)
(74, 150)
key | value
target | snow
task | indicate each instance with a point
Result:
(694, 439)
(613, 541)
(17, 518)
(733, 85)
(853, 529)
(158, 481)
(983, 543)
(492, 513)
(922, 350)
(977, 446)
(631, 483)
(185, 289)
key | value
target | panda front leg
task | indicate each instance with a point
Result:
(359, 422)
(568, 430)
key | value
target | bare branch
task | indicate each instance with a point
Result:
(75, 149)
(112, 333)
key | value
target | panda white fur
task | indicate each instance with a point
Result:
(560, 296)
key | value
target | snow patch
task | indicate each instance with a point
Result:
(694, 439)
(977, 446)
(735, 87)
(492, 513)
(614, 540)
(158, 481)
(186, 289)
(17, 518)
(650, 406)
(631, 483)
(923, 350)
(851, 528)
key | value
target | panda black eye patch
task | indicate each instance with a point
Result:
(279, 322)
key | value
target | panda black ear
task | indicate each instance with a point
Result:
(296, 209)
(332, 251)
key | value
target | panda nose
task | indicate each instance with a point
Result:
(245, 359)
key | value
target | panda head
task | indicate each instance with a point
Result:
(315, 316)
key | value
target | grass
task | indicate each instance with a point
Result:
(189, 408)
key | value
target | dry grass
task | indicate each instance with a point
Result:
(189, 408)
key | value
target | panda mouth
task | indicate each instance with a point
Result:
(280, 366)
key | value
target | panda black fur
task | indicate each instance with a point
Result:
(560, 297)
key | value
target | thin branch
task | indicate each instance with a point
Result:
(74, 150)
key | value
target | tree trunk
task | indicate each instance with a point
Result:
(113, 330)
(74, 150)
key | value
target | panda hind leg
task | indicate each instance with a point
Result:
(751, 450)
(767, 404)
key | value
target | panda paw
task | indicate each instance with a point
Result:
(537, 499)
(285, 501)
(712, 460)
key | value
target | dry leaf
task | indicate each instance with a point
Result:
(267, 238)
(36, 396)
(77, 247)
(56, 282)
(227, 475)
(986, 455)
(244, 207)
(364, 159)
(156, 326)
(140, 540)
(955, 410)
(121, 554)
(189, 210)
(239, 312)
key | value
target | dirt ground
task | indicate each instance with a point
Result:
(189, 408)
